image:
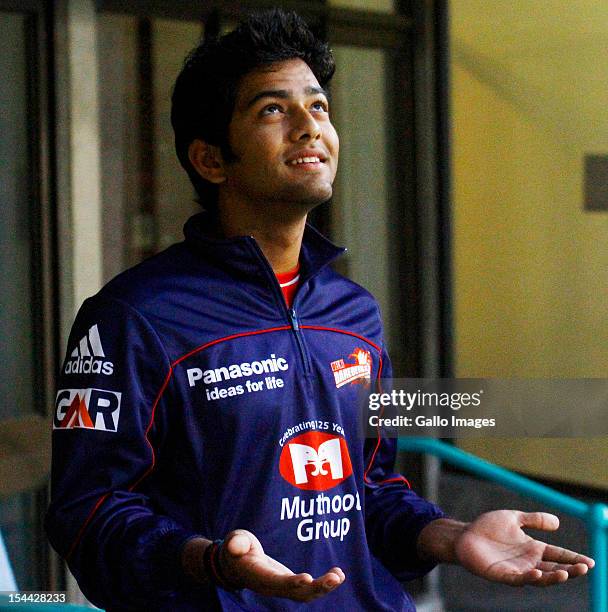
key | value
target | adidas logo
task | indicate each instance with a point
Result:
(88, 356)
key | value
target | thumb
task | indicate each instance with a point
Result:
(237, 545)
(539, 520)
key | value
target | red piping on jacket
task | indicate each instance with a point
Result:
(201, 348)
(156, 401)
(400, 478)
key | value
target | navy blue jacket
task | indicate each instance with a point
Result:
(193, 402)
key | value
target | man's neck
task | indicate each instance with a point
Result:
(278, 233)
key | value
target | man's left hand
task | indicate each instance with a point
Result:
(494, 546)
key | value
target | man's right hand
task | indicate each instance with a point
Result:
(245, 566)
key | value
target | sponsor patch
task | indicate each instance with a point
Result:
(87, 409)
(359, 371)
(315, 461)
(318, 461)
(234, 371)
(88, 357)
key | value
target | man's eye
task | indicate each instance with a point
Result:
(271, 109)
(320, 105)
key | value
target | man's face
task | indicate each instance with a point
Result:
(285, 146)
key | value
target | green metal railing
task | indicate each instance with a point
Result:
(595, 516)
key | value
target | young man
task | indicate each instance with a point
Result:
(206, 445)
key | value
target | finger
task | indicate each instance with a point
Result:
(549, 578)
(529, 577)
(331, 579)
(302, 587)
(579, 569)
(538, 578)
(292, 586)
(299, 580)
(273, 584)
(539, 520)
(563, 555)
(305, 588)
(339, 572)
(319, 588)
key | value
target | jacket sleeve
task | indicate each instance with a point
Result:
(109, 423)
(394, 514)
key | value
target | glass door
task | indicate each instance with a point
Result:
(27, 277)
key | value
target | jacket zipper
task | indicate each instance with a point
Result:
(295, 326)
(291, 312)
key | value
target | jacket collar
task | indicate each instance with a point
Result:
(242, 254)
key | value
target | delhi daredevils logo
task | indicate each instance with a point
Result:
(315, 461)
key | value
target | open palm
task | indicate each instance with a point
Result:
(247, 566)
(495, 547)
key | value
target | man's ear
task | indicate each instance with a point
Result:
(207, 160)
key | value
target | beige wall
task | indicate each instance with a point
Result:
(530, 266)
(382, 6)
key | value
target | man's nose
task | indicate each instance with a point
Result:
(304, 126)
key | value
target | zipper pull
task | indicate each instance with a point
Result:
(294, 319)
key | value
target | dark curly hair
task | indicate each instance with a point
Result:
(205, 91)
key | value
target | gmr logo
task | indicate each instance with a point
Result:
(87, 409)
(315, 461)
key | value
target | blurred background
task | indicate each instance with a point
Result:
(472, 194)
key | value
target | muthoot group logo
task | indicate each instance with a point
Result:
(318, 461)
(315, 461)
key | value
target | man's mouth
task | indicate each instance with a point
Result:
(307, 157)
(305, 160)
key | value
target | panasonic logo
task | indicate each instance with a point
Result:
(237, 370)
